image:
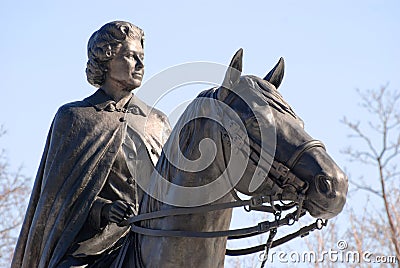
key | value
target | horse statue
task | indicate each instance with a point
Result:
(239, 137)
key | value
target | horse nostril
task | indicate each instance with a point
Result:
(324, 185)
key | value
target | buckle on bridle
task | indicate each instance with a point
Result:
(282, 170)
(320, 223)
(257, 201)
(301, 196)
(285, 175)
(264, 226)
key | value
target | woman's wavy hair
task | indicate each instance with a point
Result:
(102, 47)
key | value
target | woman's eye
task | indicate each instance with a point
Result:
(134, 56)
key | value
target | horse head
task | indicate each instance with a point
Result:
(284, 158)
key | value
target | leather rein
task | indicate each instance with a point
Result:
(281, 175)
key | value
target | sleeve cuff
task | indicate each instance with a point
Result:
(95, 219)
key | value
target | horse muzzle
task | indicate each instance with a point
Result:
(327, 197)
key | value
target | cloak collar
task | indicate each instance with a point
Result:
(101, 101)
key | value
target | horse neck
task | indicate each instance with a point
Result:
(210, 252)
(183, 165)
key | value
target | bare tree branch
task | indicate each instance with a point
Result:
(366, 188)
(14, 191)
(384, 106)
(359, 134)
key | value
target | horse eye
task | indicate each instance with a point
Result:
(253, 129)
(251, 122)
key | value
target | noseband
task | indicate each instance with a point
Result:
(281, 175)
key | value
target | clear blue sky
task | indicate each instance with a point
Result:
(330, 47)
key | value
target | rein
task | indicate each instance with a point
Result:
(282, 175)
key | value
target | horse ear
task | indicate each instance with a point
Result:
(232, 75)
(275, 76)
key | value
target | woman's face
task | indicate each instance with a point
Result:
(126, 68)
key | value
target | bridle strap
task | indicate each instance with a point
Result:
(291, 163)
(253, 202)
(304, 231)
(260, 228)
(279, 172)
(282, 174)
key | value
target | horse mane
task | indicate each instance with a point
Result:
(273, 97)
(195, 108)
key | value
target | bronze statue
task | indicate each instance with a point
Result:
(282, 162)
(83, 188)
(97, 168)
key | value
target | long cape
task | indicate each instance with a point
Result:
(80, 150)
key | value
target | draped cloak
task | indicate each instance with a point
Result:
(80, 149)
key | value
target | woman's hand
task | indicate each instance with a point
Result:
(116, 211)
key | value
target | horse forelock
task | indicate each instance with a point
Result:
(271, 94)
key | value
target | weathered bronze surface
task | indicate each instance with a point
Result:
(83, 187)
